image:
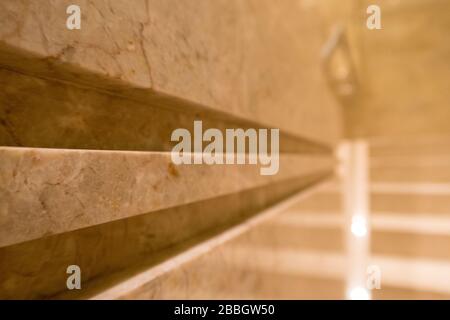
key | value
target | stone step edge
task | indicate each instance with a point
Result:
(379, 221)
(140, 185)
(132, 283)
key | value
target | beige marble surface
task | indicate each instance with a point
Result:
(136, 71)
(43, 113)
(230, 273)
(36, 269)
(286, 265)
(242, 262)
(49, 191)
(256, 59)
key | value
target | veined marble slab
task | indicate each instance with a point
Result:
(256, 59)
(50, 191)
(214, 266)
(36, 269)
(42, 113)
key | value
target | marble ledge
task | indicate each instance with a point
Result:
(50, 191)
(229, 257)
(237, 271)
(104, 249)
(55, 114)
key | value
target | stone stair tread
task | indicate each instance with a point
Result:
(426, 224)
(50, 191)
(417, 161)
(414, 273)
(407, 274)
(411, 188)
(413, 204)
(416, 145)
(220, 251)
(414, 174)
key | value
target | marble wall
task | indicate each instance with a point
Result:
(258, 60)
(85, 123)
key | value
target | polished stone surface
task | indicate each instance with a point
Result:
(43, 113)
(242, 262)
(36, 269)
(255, 59)
(135, 72)
(49, 191)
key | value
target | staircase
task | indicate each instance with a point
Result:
(410, 216)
